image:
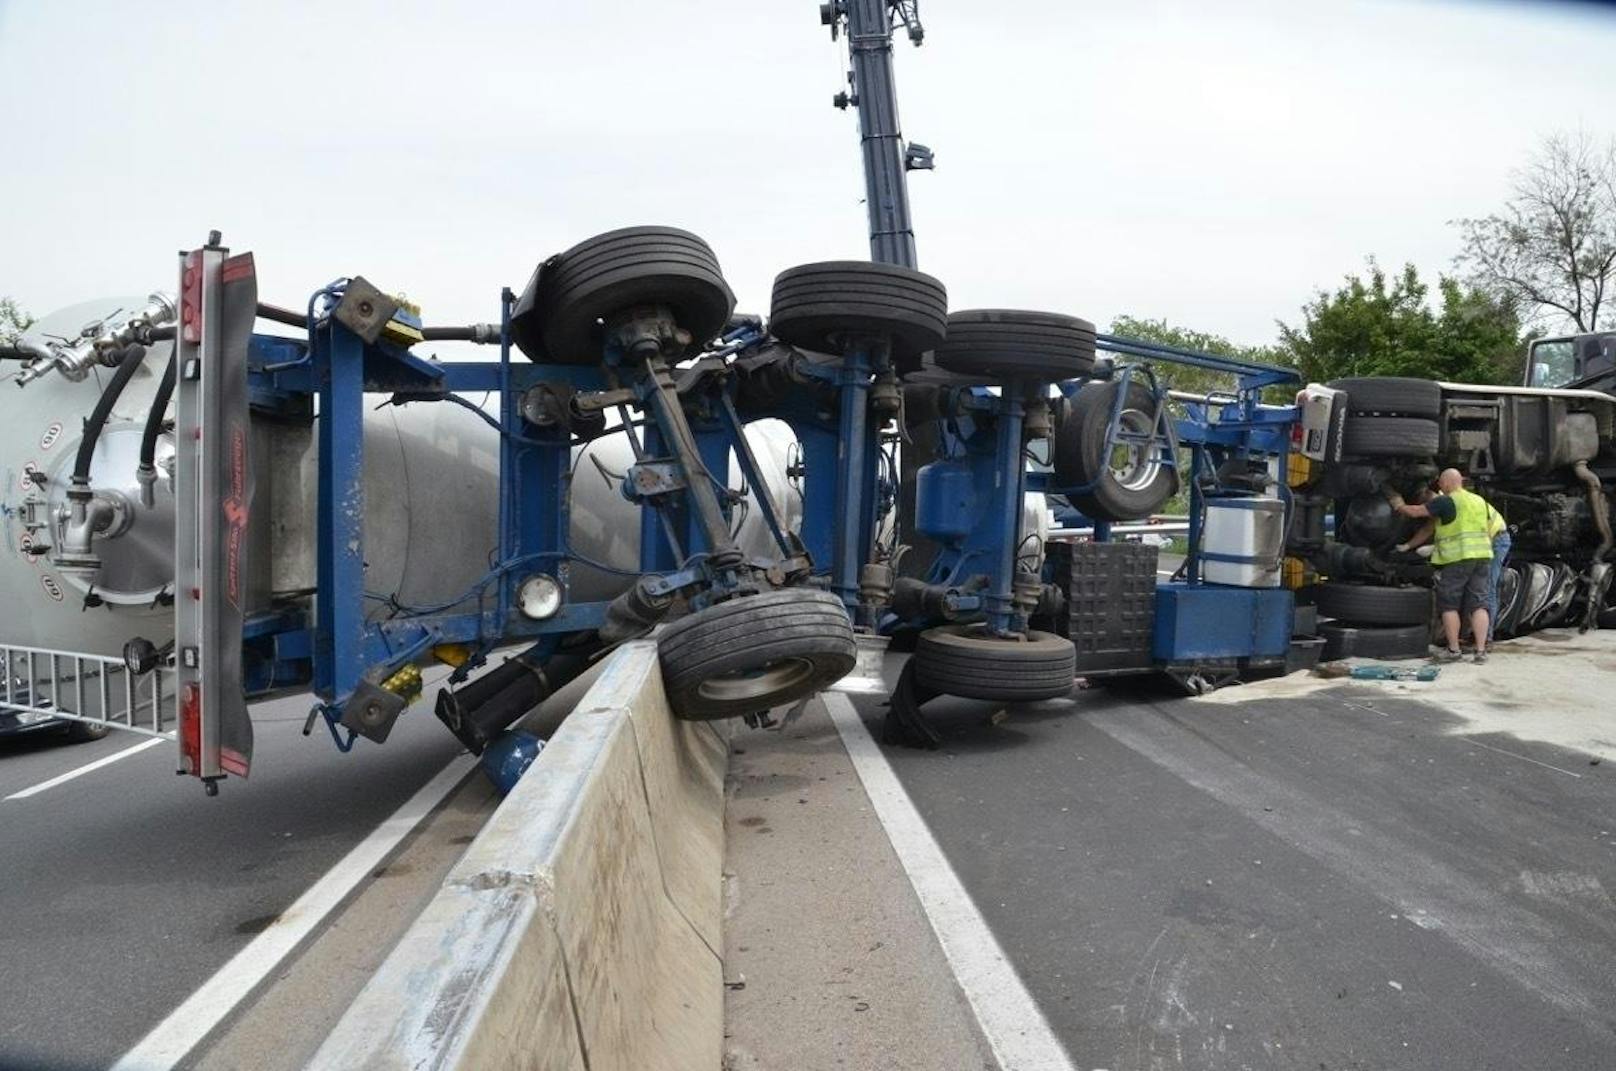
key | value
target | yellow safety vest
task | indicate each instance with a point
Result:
(1466, 537)
(1495, 522)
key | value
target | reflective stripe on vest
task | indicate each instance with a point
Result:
(1465, 538)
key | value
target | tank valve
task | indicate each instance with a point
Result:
(98, 343)
(86, 515)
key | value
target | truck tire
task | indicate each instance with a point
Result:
(1127, 487)
(1372, 604)
(816, 306)
(558, 318)
(1400, 437)
(755, 652)
(1350, 641)
(997, 344)
(963, 660)
(1391, 396)
(1511, 594)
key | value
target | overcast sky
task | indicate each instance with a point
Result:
(1210, 163)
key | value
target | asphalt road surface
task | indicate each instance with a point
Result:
(124, 889)
(1321, 882)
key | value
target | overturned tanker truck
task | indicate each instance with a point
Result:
(197, 513)
(203, 507)
(1543, 453)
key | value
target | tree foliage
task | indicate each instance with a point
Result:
(1184, 377)
(13, 321)
(1553, 247)
(1380, 325)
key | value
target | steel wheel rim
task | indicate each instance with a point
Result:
(757, 684)
(1133, 466)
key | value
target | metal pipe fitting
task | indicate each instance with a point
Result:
(99, 345)
(86, 516)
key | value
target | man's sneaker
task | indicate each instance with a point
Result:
(1481, 656)
(1446, 655)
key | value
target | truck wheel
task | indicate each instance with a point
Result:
(996, 344)
(1350, 641)
(1372, 604)
(82, 732)
(1402, 437)
(559, 317)
(964, 660)
(1126, 483)
(816, 306)
(755, 652)
(1391, 396)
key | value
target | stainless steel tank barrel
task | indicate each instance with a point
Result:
(431, 503)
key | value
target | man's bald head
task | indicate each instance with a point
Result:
(1450, 480)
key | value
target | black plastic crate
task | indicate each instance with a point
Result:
(1111, 603)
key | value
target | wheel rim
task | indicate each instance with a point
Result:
(757, 683)
(1133, 466)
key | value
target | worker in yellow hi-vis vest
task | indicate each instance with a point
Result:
(1498, 531)
(1463, 558)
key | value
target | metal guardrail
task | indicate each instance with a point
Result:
(87, 687)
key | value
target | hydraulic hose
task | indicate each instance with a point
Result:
(24, 350)
(279, 315)
(133, 354)
(482, 334)
(146, 471)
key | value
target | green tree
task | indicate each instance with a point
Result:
(13, 321)
(1185, 377)
(1380, 325)
(1552, 248)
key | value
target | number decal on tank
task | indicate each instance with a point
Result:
(52, 588)
(51, 436)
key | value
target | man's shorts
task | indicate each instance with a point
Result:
(1463, 585)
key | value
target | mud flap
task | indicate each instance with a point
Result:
(905, 725)
(213, 480)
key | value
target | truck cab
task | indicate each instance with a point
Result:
(1587, 361)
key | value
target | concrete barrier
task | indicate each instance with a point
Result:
(581, 930)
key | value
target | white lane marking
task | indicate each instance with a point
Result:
(187, 1025)
(89, 767)
(1015, 1028)
(1523, 758)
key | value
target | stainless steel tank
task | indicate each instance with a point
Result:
(40, 429)
(431, 505)
(606, 526)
